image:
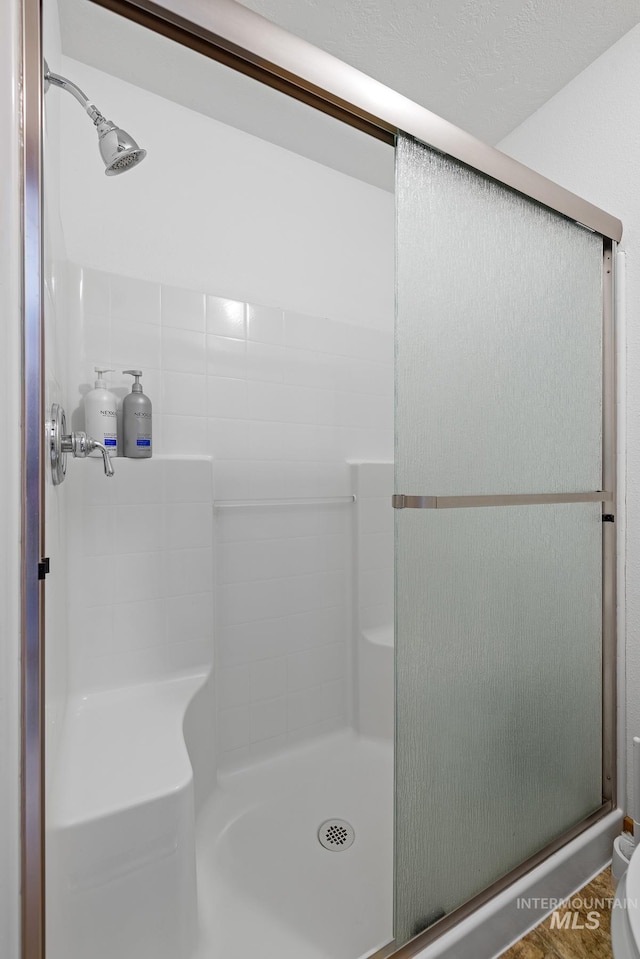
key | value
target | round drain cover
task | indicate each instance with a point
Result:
(336, 834)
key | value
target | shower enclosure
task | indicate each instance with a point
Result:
(499, 386)
(221, 723)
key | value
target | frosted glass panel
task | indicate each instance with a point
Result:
(499, 317)
(498, 694)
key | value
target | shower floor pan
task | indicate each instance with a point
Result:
(266, 886)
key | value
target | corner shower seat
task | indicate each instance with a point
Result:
(121, 845)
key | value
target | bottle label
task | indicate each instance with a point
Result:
(143, 442)
(108, 442)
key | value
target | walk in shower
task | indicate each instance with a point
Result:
(332, 670)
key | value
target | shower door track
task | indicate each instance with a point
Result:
(233, 35)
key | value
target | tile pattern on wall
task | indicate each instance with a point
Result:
(283, 625)
(141, 565)
(248, 384)
(373, 484)
(373, 655)
(280, 401)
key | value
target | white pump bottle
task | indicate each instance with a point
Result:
(101, 414)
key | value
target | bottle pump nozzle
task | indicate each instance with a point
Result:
(137, 387)
(101, 383)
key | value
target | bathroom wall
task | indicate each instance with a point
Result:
(216, 209)
(280, 401)
(588, 139)
(373, 484)
(373, 653)
(141, 565)
(10, 400)
(255, 289)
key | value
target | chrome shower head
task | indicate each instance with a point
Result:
(118, 150)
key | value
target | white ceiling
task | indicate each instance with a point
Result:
(485, 65)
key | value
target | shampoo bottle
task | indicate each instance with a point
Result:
(136, 420)
(100, 415)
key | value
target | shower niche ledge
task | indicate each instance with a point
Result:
(121, 846)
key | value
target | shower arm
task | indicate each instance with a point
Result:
(118, 149)
(75, 91)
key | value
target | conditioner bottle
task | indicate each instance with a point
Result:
(136, 420)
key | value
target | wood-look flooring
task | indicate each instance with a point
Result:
(545, 942)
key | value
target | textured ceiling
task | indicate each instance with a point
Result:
(485, 65)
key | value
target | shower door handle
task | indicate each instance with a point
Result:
(400, 501)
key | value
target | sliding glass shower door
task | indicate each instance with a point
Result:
(499, 469)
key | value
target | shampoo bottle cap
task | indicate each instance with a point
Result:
(101, 383)
(136, 388)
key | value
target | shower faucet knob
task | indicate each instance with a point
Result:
(78, 444)
(75, 443)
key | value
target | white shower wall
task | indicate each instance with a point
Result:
(281, 385)
(281, 402)
(213, 208)
(141, 561)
